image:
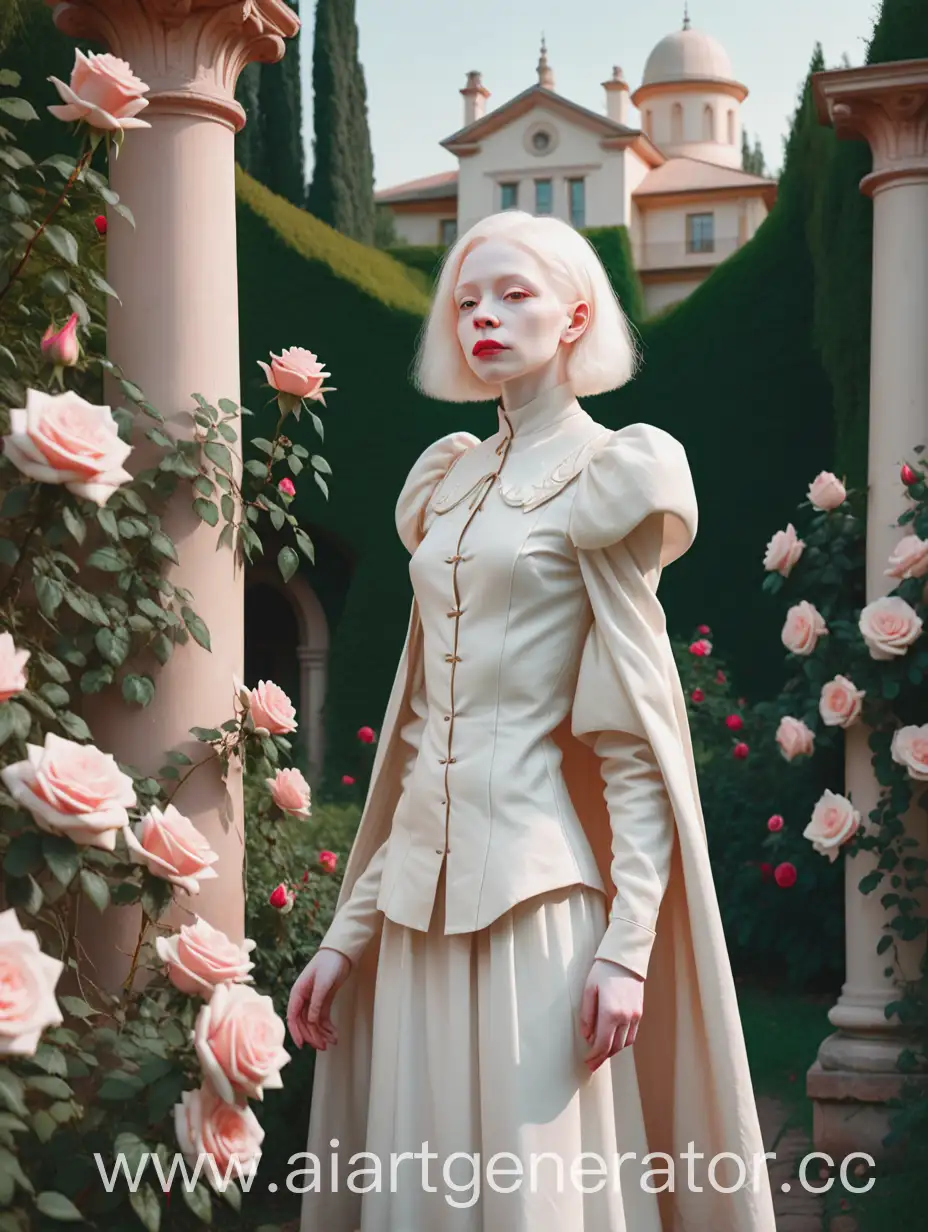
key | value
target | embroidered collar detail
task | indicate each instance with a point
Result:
(530, 496)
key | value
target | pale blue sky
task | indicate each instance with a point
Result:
(416, 54)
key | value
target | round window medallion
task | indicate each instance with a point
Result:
(540, 139)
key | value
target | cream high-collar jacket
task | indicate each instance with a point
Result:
(507, 655)
(554, 609)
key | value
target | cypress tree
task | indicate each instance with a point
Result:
(280, 125)
(342, 189)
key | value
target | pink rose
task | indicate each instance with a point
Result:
(269, 708)
(297, 372)
(734, 722)
(697, 696)
(239, 1041)
(72, 789)
(720, 677)
(286, 486)
(12, 668)
(775, 823)
(700, 648)
(282, 898)
(826, 491)
(27, 988)
(367, 735)
(328, 860)
(206, 1125)
(783, 550)
(802, 628)
(834, 821)
(889, 627)
(104, 93)
(60, 438)
(910, 749)
(794, 738)
(840, 702)
(909, 558)
(290, 792)
(740, 750)
(199, 957)
(171, 846)
(62, 347)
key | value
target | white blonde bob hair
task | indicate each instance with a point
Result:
(602, 358)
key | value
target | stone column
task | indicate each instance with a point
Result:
(174, 333)
(887, 105)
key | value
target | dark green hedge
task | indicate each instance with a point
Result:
(426, 258)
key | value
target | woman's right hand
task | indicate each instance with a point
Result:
(309, 1009)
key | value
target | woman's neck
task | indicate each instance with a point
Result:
(524, 389)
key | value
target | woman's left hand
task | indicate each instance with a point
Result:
(610, 1010)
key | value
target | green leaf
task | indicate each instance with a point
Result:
(57, 1206)
(119, 1086)
(52, 1060)
(10, 1167)
(228, 406)
(288, 562)
(16, 501)
(56, 282)
(48, 1084)
(63, 242)
(207, 511)
(54, 668)
(43, 1125)
(75, 726)
(49, 594)
(145, 1203)
(12, 1092)
(15, 720)
(321, 484)
(198, 1200)
(107, 520)
(264, 445)
(206, 735)
(9, 552)
(113, 644)
(138, 689)
(55, 694)
(102, 285)
(74, 523)
(228, 507)
(319, 463)
(163, 545)
(61, 856)
(24, 855)
(108, 559)
(77, 1007)
(254, 467)
(96, 888)
(18, 108)
(86, 604)
(317, 424)
(204, 485)
(196, 628)
(219, 454)
(9, 77)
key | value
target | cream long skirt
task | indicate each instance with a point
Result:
(476, 1053)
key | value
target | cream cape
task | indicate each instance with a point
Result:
(690, 1056)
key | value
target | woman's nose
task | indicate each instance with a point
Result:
(484, 319)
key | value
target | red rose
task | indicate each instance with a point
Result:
(766, 871)
(278, 897)
(908, 476)
(697, 695)
(734, 722)
(366, 735)
(286, 487)
(704, 630)
(785, 875)
(101, 224)
(740, 750)
(700, 647)
(347, 780)
(328, 860)
(774, 823)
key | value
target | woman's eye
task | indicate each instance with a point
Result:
(465, 303)
(517, 295)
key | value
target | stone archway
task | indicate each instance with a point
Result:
(287, 633)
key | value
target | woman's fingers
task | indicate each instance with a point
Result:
(588, 1007)
(296, 1008)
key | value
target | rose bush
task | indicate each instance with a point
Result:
(88, 603)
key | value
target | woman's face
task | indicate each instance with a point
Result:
(511, 318)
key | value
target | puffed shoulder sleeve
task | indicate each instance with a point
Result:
(638, 471)
(427, 472)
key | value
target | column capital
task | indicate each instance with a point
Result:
(189, 52)
(887, 106)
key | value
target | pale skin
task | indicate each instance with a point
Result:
(506, 294)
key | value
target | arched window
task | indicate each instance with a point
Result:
(708, 123)
(731, 127)
(649, 123)
(676, 124)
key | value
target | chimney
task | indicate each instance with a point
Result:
(475, 98)
(617, 97)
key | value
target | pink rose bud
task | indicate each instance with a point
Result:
(697, 695)
(328, 860)
(347, 780)
(908, 476)
(734, 722)
(366, 735)
(704, 630)
(101, 224)
(286, 486)
(61, 347)
(740, 750)
(700, 648)
(720, 677)
(775, 823)
(785, 874)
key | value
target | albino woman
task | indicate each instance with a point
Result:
(531, 873)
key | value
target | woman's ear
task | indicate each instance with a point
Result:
(579, 320)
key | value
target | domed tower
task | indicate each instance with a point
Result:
(689, 99)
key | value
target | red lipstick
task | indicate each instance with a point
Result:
(487, 346)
